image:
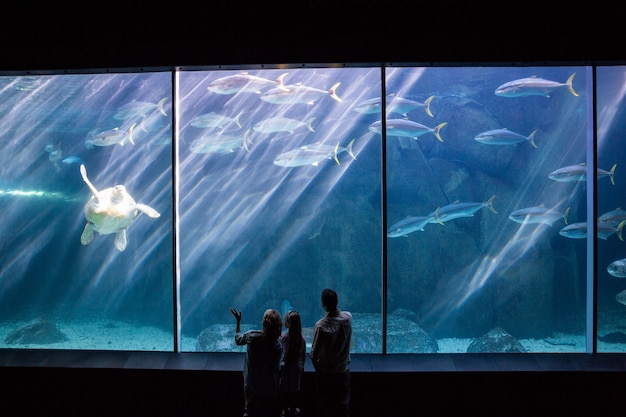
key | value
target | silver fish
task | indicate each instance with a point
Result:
(243, 83)
(617, 268)
(220, 143)
(533, 86)
(299, 93)
(457, 210)
(613, 217)
(111, 137)
(579, 230)
(139, 109)
(504, 137)
(394, 104)
(312, 155)
(538, 215)
(407, 128)
(579, 173)
(215, 120)
(621, 297)
(282, 124)
(408, 225)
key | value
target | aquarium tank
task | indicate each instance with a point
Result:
(452, 216)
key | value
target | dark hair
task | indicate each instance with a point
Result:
(272, 324)
(329, 299)
(295, 336)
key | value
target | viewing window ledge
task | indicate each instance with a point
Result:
(361, 363)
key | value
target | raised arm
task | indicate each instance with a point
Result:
(237, 315)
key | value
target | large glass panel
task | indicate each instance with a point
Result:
(85, 263)
(280, 197)
(611, 203)
(478, 260)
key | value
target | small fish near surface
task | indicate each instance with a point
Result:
(220, 143)
(617, 268)
(282, 124)
(578, 172)
(243, 83)
(457, 210)
(299, 94)
(312, 155)
(407, 128)
(579, 230)
(111, 137)
(504, 137)
(139, 109)
(538, 215)
(534, 86)
(73, 160)
(215, 120)
(394, 104)
(408, 225)
(55, 154)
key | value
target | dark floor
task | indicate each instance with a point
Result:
(78, 383)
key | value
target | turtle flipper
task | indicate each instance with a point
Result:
(120, 240)
(147, 210)
(83, 173)
(87, 236)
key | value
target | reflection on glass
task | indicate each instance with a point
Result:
(476, 262)
(279, 198)
(611, 286)
(85, 262)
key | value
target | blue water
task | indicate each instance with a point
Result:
(253, 234)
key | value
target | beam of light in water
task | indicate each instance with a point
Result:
(235, 205)
(564, 143)
(609, 100)
(20, 248)
(38, 194)
(468, 282)
(409, 78)
(241, 219)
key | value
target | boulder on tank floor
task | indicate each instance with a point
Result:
(40, 332)
(496, 341)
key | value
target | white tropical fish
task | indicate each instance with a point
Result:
(215, 120)
(579, 173)
(579, 230)
(457, 210)
(504, 137)
(406, 128)
(282, 124)
(312, 155)
(299, 93)
(393, 104)
(220, 143)
(139, 109)
(243, 83)
(533, 86)
(538, 215)
(111, 137)
(408, 225)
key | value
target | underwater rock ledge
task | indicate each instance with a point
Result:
(41, 332)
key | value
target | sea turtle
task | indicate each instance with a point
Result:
(111, 210)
